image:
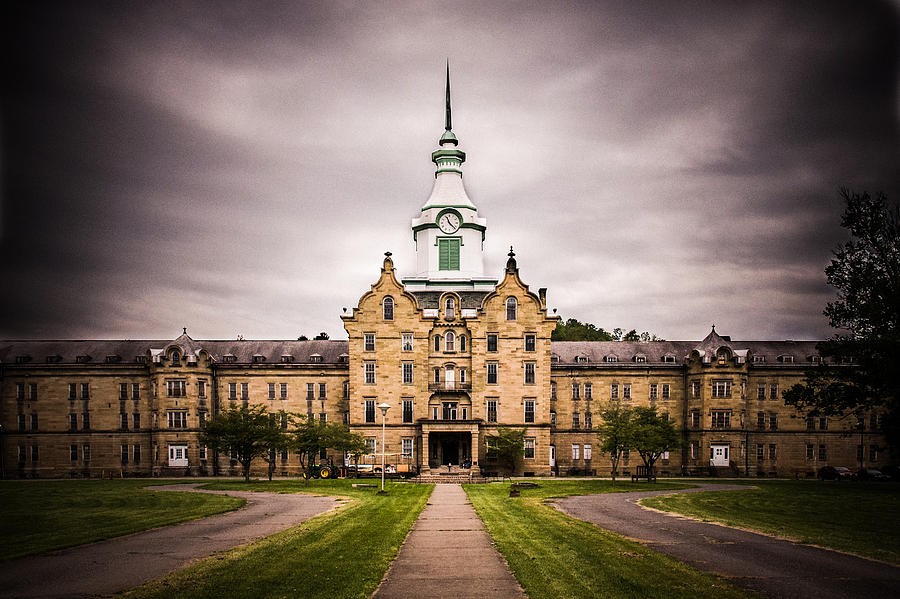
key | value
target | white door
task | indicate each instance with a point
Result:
(719, 455)
(449, 378)
(178, 455)
(552, 456)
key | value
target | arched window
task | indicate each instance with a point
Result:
(437, 343)
(462, 343)
(388, 306)
(450, 341)
(450, 309)
(511, 309)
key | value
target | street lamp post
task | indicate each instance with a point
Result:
(384, 407)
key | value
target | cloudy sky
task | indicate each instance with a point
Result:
(240, 168)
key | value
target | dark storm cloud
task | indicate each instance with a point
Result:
(239, 168)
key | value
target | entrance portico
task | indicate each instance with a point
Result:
(449, 443)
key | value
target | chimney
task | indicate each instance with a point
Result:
(542, 293)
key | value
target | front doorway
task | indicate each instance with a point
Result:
(719, 455)
(449, 449)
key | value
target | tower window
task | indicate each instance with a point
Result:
(450, 309)
(388, 306)
(448, 254)
(450, 342)
(511, 309)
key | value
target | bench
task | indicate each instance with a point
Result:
(643, 472)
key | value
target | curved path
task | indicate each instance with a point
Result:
(773, 567)
(107, 567)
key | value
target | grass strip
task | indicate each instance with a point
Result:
(554, 555)
(340, 554)
(41, 516)
(860, 518)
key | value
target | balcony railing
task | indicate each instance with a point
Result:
(450, 386)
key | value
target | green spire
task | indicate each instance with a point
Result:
(448, 126)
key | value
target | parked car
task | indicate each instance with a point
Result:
(836, 473)
(893, 472)
(872, 474)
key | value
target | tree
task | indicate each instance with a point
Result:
(312, 436)
(323, 336)
(859, 373)
(614, 433)
(651, 435)
(573, 330)
(508, 446)
(245, 432)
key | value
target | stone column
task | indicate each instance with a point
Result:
(476, 469)
(423, 454)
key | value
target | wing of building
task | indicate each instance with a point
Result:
(453, 351)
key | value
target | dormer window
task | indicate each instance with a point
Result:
(176, 359)
(315, 358)
(55, 359)
(140, 359)
(287, 359)
(668, 359)
(23, 359)
(450, 309)
(640, 358)
(554, 358)
(191, 359)
(83, 359)
(611, 359)
(229, 358)
(511, 308)
(815, 359)
(581, 359)
(387, 306)
(112, 359)
(785, 359)
(258, 358)
(342, 359)
(759, 359)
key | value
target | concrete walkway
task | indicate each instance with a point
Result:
(769, 566)
(448, 553)
(112, 566)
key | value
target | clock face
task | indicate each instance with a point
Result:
(448, 222)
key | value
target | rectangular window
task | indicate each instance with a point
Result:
(773, 391)
(576, 420)
(346, 389)
(73, 452)
(810, 423)
(695, 418)
(124, 453)
(492, 373)
(86, 421)
(32, 391)
(123, 390)
(492, 410)
(873, 422)
(323, 418)
(760, 392)
(666, 391)
(773, 421)
(85, 390)
(370, 373)
(576, 391)
(73, 422)
(232, 390)
(695, 389)
(695, 449)
(21, 422)
(772, 452)
(407, 410)
(20, 391)
(176, 388)
(823, 423)
(434, 412)
(136, 421)
(576, 452)
(654, 391)
(721, 389)
(614, 391)
(587, 452)
(407, 342)
(588, 391)
(760, 420)
(437, 375)
(322, 391)
(759, 452)
(370, 410)
(529, 373)
(407, 368)
(245, 391)
(86, 452)
(176, 419)
(873, 453)
(201, 418)
(271, 388)
(529, 448)
(73, 393)
(406, 448)
(369, 344)
(823, 453)
(588, 421)
(720, 419)
(530, 341)
(283, 388)
(123, 421)
(809, 452)
(492, 342)
(136, 454)
(437, 343)
(626, 391)
(136, 391)
(529, 410)
(310, 391)
(448, 254)
(462, 375)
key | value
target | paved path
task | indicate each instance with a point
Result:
(448, 553)
(770, 566)
(108, 567)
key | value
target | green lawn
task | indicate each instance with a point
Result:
(861, 518)
(41, 516)
(340, 554)
(553, 555)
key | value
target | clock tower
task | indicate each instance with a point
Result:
(449, 234)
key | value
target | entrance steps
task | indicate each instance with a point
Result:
(447, 479)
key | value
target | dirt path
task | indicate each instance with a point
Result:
(773, 567)
(449, 554)
(112, 566)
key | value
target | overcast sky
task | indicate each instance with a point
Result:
(240, 168)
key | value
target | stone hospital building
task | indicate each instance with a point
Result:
(455, 352)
